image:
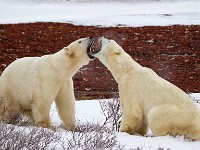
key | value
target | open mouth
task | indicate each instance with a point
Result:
(89, 48)
(94, 47)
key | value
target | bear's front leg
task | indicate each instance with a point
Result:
(129, 124)
(132, 119)
(65, 102)
(143, 129)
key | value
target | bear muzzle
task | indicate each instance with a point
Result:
(96, 46)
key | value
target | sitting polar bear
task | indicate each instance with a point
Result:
(30, 85)
(147, 99)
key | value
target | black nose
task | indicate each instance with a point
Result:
(90, 37)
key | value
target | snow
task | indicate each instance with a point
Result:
(135, 13)
(152, 143)
(90, 111)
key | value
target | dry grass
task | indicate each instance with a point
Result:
(112, 111)
(13, 137)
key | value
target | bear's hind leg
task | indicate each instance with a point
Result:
(40, 114)
(168, 119)
(29, 114)
(10, 111)
(193, 134)
(194, 131)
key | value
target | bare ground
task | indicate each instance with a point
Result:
(173, 52)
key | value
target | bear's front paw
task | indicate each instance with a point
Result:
(130, 131)
(45, 125)
(70, 127)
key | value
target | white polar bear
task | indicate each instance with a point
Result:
(30, 85)
(147, 99)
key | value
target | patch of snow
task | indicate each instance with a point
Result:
(195, 95)
(105, 13)
(86, 111)
(154, 143)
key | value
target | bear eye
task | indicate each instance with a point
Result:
(79, 41)
(118, 53)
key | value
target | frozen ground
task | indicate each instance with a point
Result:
(132, 13)
(90, 111)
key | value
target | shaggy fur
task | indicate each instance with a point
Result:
(148, 100)
(29, 85)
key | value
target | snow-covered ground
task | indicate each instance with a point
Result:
(133, 13)
(90, 111)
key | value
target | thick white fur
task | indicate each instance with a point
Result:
(30, 85)
(148, 100)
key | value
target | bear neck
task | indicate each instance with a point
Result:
(121, 68)
(65, 67)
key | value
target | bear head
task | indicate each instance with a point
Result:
(79, 50)
(107, 51)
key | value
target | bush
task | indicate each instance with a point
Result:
(14, 137)
(112, 111)
(85, 136)
(91, 135)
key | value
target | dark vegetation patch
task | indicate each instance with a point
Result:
(173, 52)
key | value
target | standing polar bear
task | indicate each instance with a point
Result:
(30, 85)
(147, 99)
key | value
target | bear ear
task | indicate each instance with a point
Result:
(68, 52)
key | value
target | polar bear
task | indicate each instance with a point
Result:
(148, 100)
(29, 85)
